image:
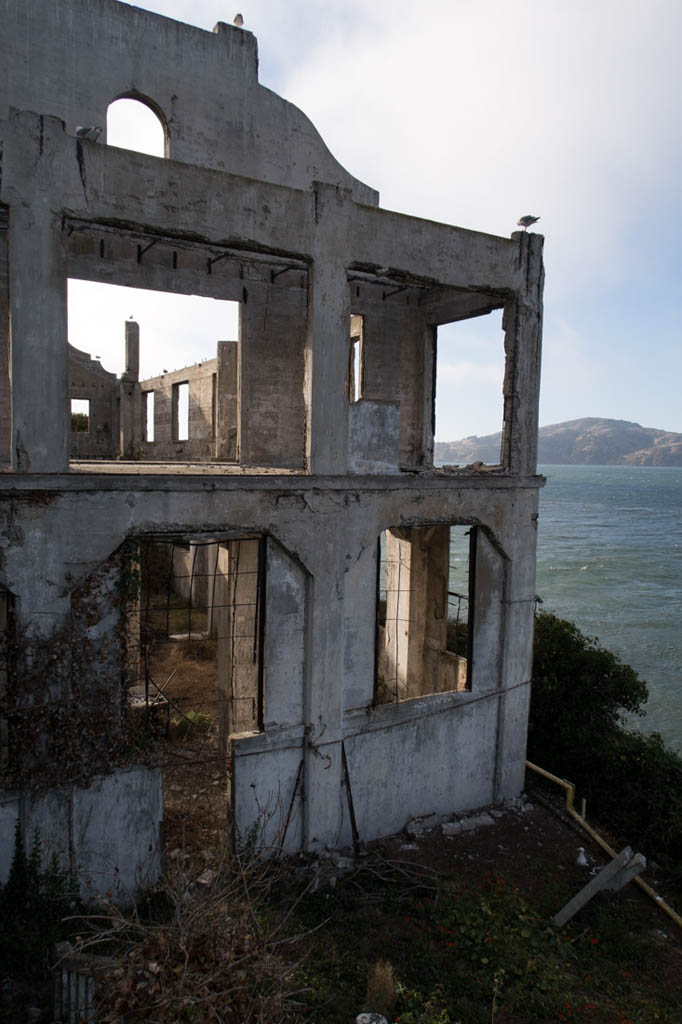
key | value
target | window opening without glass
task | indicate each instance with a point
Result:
(424, 620)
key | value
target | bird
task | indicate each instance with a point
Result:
(526, 221)
(91, 132)
(582, 860)
(238, 20)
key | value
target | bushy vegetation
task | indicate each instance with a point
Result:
(36, 908)
(578, 729)
(444, 951)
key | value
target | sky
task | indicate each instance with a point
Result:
(474, 112)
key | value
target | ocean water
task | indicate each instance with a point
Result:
(610, 559)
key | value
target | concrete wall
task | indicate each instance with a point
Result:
(201, 442)
(320, 652)
(108, 834)
(252, 208)
(203, 86)
(5, 395)
(89, 380)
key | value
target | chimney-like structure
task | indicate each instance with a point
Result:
(132, 370)
(131, 405)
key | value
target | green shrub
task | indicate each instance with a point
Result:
(581, 693)
(33, 903)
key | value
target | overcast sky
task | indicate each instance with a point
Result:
(474, 112)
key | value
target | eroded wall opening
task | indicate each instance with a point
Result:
(160, 383)
(196, 661)
(425, 600)
(355, 359)
(80, 416)
(133, 124)
(469, 368)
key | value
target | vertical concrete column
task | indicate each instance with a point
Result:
(38, 344)
(132, 336)
(516, 645)
(434, 548)
(487, 614)
(398, 611)
(238, 639)
(416, 608)
(522, 323)
(325, 804)
(130, 414)
(326, 363)
(227, 402)
(5, 392)
(222, 624)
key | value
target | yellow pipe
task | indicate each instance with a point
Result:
(580, 818)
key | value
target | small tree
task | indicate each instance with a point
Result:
(581, 694)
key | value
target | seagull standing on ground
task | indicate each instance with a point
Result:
(238, 20)
(526, 221)
(582, 860)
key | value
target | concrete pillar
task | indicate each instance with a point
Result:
(272, 331)
(132, 334)
(237, 612)
(130, 411)
(416, 609)
(38, 346)
(5, 391)
(487, 614)
(322, 806)
(327, 341)
(398, 610)
(522, 324)
(4, 645)
(227, 402)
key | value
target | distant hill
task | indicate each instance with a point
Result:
(587, 442)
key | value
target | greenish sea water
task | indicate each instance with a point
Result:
(610, 559)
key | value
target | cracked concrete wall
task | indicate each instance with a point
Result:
(330, 528)
(252, 208)
(203, 85)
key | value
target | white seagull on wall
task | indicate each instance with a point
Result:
(526, 221)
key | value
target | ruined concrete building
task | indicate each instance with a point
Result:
(288, 515)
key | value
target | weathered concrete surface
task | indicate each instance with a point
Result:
(108, 834)
(251, 207)
(204, 88)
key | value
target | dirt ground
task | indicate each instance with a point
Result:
(532, 845)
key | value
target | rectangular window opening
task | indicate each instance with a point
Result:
(80, 415)
(181, 411)
(354, 382)
(196, 629)
(152, 342)
(468, 391)
(425, 586)
(148, 416)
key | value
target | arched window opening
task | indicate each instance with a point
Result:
(132, 124)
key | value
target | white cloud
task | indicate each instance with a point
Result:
(475, 111)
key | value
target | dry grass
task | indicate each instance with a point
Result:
(197, 951)
(382, 988)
